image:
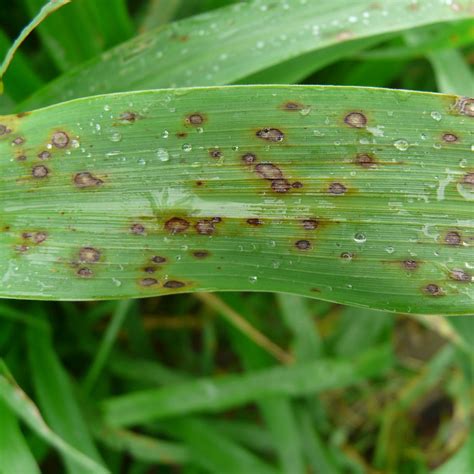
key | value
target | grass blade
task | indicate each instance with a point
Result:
(56, 398)
(215, 49)
(47, 9)
(15, 455)
(234, 390)
(107, 342)
(353, 195)
(12, 395)
(213, 451)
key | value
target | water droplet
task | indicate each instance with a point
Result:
(401, 145)
(436, 116)
(305, 111)
(75, 144)
(142, 161)
(98, 127)
(116, 282)
(360, 238)
(389, 250)
(187, 147)
(260, 44)
(253, 279)
(162, 154)
(165, 134)
(115, 137)
(199, 130)
(107, 108)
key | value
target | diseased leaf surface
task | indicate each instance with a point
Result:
(354, 195)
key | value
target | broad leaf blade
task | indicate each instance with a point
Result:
(354, 195)
(223, 46)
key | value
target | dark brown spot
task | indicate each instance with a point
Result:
(249, 158)
(39, 171)
(216, 220)
(310, 224)
(271, 134)
(315, 290)
(410, 264)
(137, 229)
(347, 255)
(268, 171)
(85, 272)
(86, 180)
(201, 253)
(469, 178)
(149, 269)
(255, 221)
(450, 138)
(205, 227)
(158, 259)
(195, 119)
(4, 130)
(337, 188)
(60, 139)
(453, 238)
(181, 134)
(356, 120)
(297, 185)
(291, 106)
(22, 114)
(303, 244)
(281, 185)
(176, 225)
(433, 290)
(215, 153)
(148, 281)
(365, 160)
(173, 284)
(89, 255)
(22, 248)
(21, 158)
(44, 155)
(460, 275)
(128, 117)
(199, 183)
(36, 237)
(18, 141)
(465, 105)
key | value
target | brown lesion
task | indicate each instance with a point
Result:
(176, 225)
(303, 244)
(195, 119)
(173, 284)
(201, 253)
(255, 221)
(355, 119)
(366, 160)
(85, 179)
(460, 275)
(270, 134)
(292, 106)
(453, 238)
(432, 289)
(450, 137)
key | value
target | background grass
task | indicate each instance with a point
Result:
(232, 383)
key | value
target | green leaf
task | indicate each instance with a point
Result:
(215, 48)
(213, 451)
(18, 402)
(218, 394)
(354, 195)
(56, 398)
(15, 455)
